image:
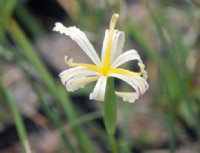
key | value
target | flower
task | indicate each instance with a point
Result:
(108, 66)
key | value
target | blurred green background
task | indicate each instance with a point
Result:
(38, 115)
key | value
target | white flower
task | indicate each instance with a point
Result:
(108, 66)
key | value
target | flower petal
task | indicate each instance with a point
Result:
(138, 83)
(144, 72)
(128, 96)
(75, 84)
(77, 77)
(99, 89)
(125, 57)
(81, 39)
(117, 44)
(105, 42)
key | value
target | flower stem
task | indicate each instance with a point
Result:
(110, 113)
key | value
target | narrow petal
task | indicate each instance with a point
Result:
(143, 71)
(81, 39)
(124, 72)
(128, 96)
(77, 83)
(99, 89)
(103, 50)
(117, 44)
(125, 57)
(77, 77)
(138, 83)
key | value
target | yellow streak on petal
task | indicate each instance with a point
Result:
(124, 72)
(128, 73)
(106, 64)
(89, 66)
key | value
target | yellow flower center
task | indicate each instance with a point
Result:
(106, 65)
(105, 69)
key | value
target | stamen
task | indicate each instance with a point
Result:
(106, 64)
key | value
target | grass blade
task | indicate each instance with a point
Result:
(18, 122)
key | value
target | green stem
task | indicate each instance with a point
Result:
(110, 113)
